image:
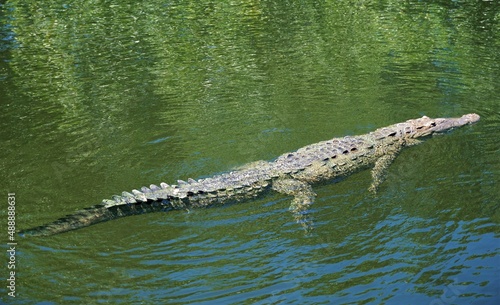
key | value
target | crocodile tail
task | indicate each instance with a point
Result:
(92, 215)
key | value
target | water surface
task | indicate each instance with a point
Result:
(101, 97)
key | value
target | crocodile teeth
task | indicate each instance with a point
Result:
(128, 198)
(181, 182)
(191, 180)
(139, 196)
(164, 185)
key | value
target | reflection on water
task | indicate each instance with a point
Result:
(99, 98)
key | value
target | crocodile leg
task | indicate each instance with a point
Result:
(379, 171)
(303, 197)
(388, 154)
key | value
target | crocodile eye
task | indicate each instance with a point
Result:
(433, 124)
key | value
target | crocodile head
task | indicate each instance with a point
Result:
(425, 126)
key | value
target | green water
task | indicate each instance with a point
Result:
(99, 97)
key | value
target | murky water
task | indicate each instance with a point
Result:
(101, 97)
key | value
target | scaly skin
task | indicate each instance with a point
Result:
(291, 174)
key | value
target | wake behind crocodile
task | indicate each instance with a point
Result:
(292, 174)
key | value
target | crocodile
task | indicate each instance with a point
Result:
(292, 174)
